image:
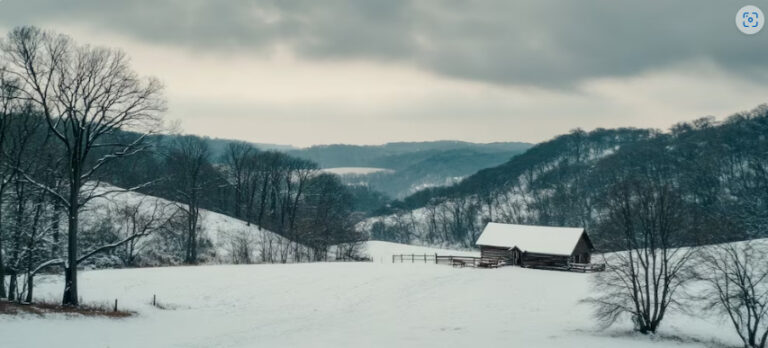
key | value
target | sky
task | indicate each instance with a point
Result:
(307, 72)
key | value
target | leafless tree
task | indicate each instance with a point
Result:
(645, 220)
(9, 107)
(736, 278)
(240, 244)
(190, 175)
(326, 217)
(268, 247)
(86, 94)
(139, 219)
(297, 178)
(24, 152)
(239, 170)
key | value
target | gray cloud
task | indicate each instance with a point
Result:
(545, 42)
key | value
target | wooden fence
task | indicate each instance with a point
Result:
(456, 261)
(586, 267)
(486, 262)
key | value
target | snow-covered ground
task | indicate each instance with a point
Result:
(382, 252)
(343, 305)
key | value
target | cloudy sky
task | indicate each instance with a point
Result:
(373, 71)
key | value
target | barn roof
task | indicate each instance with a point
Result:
(534, 239)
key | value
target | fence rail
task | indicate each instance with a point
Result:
(456, 261)
(587, 267)
(487, 262)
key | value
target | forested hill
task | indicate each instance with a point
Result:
(411, 166)
(712, 175)
(564, 149)
(392, 155)
(395, 169)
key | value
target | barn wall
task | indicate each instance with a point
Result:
(494, 252)
(544, 260)
(582, 252)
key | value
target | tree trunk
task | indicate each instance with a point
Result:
(70, 297)
(12, 287)
(2, 264)
(55, 227)
(193, 236)
(190, 255)
(30, 286)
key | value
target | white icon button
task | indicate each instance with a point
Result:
(749, 20)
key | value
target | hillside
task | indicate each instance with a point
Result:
(411, 165)
(715, 171)
(339, 155)
(222, 237)
(345, 305)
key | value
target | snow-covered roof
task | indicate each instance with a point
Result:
(534, 239)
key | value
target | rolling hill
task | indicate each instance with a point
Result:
(220, 234)
(715, 170)
(411, 166)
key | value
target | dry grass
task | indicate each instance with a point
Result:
(43, 308)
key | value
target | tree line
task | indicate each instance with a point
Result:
(78, 126)
(719, 168)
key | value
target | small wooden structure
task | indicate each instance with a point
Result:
(537, 246)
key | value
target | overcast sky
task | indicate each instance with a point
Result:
(374, 71)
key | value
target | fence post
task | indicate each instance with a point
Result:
(413, 258)
(115, 305)
(425, 257)
(154, 300)
(435, 258)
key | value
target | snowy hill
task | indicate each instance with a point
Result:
(220, 231)
(344, 305)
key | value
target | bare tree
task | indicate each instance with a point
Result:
(240, 244)
(9, 103)
(86, 94)
(139, 219)
(299, 174)
(736, 276)
(239, 173)
(24, 152)
(190, 174)
(326, 221)
(645, 219)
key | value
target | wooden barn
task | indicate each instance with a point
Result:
(537, 246)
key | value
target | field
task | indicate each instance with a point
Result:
(375, 304)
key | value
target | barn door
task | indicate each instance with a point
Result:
(516, 257)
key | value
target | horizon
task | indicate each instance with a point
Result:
(717, 119)
(292, 74)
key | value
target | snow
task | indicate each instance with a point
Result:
(356, 170)
(344, 305)
(380, 251)
(218, 228)
(537, 239)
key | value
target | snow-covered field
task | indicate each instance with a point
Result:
(382, 252)
(343, 305)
